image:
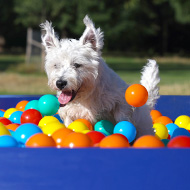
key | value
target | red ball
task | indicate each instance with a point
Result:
(179, 142)
(5, 121)
(95, 136)
(31, 116)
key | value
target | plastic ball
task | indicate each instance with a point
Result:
(104, 126)
(48, 104)
(47, 119)
(77, 140)
(15, 117)
(165, 141)
(5, 121)
(188, 127)
(77, 126)
(155, 114)
(86, 131)
(21, 105)
(8, 141)
(180, 132)
(12, 126)
(31, 116)
(60, 135)
(114, 141)
(171, 127)
(25, 131)
(50, 128)
(161, 131)
(127, 129)
(95, 136)
(179, 142)
(33, 104)
(58, 117)
(148, 141)
(164, 120)
(86, 122)
(4, 130)
(136, 95)
(182, 121)
(1, 113)
(9, 111)
(40, 140)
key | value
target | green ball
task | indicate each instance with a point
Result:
(33, 104)
(48, 105)
(104, 126)
(165, 141)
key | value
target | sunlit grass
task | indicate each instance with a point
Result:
(19, 78)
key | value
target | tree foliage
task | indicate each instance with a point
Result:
(151, 26)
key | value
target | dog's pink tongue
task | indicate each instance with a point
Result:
(65, 97)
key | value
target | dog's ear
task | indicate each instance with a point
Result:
(49, 39)
(92, 35)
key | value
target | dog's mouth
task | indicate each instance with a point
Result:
(66, 97)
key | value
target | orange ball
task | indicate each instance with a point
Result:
(155, 114)
(86, 122)
(163, 119)
(77, 140)
(148, 141)
(40, 140)
(21, 105)
(136, 95)
(60, 135)
(114, 141)
(12, 126)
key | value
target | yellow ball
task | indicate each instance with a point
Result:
(50, 128)
(161, 131)
(47, 119)
(85, 131)
(4, 130)
(182, 121)
(8, 112)
(78, 126)
(188, 127)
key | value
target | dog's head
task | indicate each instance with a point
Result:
(72, 65)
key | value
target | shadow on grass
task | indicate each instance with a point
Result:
(136, 66)
(7, 62)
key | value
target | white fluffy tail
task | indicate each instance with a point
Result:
(150, 79)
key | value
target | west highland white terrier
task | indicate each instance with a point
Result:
(87, 88)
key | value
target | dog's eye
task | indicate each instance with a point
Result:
(76, 65)
(56, 66)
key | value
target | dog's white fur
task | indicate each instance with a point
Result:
(100, 92)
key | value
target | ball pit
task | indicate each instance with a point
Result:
(95, 160)
(31, 117)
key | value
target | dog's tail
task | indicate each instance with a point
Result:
(150, 79)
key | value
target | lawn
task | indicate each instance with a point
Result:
(18, 78)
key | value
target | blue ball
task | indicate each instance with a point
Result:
(33, 104)
(15, 117)
(180, 132)
(8, 141)
(25, 131)
(1, 113)
(171, 128)
(127, 129)
(58, 117)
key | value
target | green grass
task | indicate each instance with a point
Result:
(15, 74)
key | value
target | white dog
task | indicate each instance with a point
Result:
(87, 88)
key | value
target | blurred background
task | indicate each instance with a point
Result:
(135, 30)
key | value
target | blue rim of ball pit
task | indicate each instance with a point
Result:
(134, 169)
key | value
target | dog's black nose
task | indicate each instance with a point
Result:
(61, 84)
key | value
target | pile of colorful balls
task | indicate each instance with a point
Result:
(36, 124)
